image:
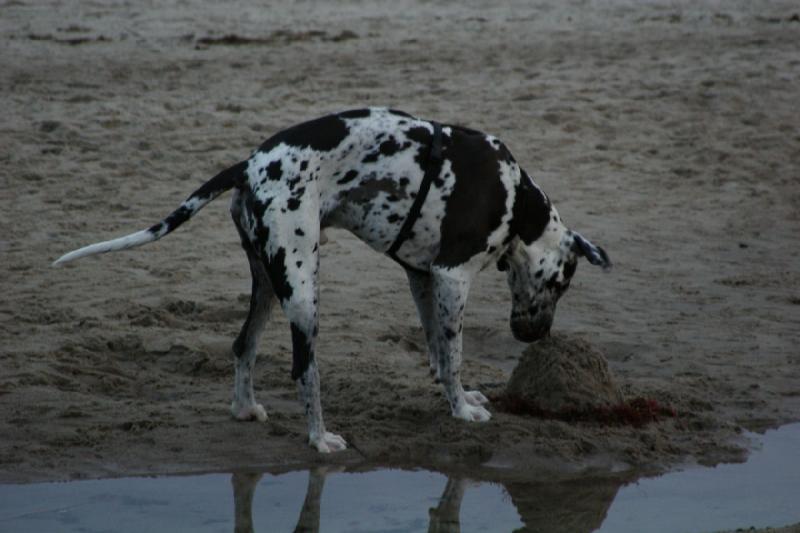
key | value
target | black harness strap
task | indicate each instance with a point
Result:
(432, 168)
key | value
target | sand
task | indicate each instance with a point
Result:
(559, 373)
(666, 131)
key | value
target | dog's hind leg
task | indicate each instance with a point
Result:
(244, 406)
(301, 310)
(293, 266)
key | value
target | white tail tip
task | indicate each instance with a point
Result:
(123, 243)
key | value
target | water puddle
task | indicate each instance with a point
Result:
(316, 500)
(764, 491)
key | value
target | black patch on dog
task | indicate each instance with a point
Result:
(274, 170)
(293, 204)
(303, 166)
(355, 113)
(368, 189)
(299, 232)
(175, 219)
(478, 191)
(258, 208)
(350, 176)
(531, 211)
(386, 149)
(569, 269)
(393, 218)
(301, 352)
(323, 134)
(423, 137)
(371, 157)
(230, 177)
(391, 147)
(276, 268)
(293, 181)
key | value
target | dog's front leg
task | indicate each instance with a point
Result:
(421, 289)
(450, 289)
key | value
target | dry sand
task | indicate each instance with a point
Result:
(667, 131)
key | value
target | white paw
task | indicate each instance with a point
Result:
(475, 397)
(249, 412)
(328, 442)
(472, 413)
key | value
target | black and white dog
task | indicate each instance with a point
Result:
(365, 171)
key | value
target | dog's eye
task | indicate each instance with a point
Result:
(502, 264)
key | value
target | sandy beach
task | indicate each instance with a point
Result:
(666, 131)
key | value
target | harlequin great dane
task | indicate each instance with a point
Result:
(444, 201)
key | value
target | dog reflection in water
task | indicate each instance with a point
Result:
(443, 517)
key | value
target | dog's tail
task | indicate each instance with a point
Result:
(225, 180)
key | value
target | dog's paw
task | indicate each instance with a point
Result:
(475, 397)
(328, 442)
(249, 412)
(472, 413)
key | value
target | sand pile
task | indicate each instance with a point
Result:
(559, 373)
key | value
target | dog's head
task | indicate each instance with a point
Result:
(539, 272)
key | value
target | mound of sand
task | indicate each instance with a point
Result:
(559, 372)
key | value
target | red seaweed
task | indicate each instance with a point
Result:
(636, 412)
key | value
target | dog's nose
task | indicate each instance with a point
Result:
(528, 335)
(530, 331)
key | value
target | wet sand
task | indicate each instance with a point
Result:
(667, 132)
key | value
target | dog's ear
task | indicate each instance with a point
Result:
(594, 254)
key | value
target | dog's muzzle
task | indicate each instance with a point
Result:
(531, 329)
